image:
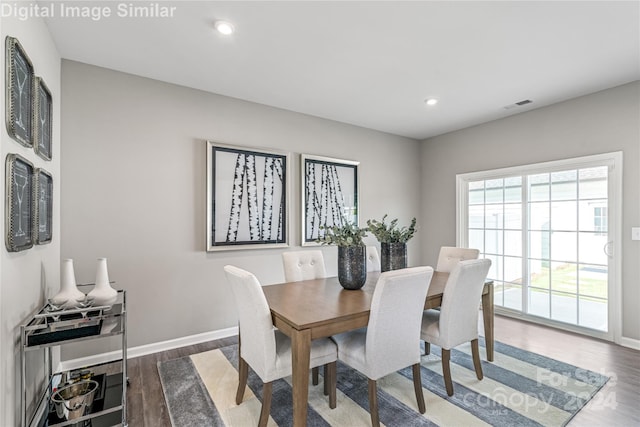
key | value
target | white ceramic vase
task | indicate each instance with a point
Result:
(69, 295)
(102, 293)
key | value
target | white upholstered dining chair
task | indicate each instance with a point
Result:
(457, 320)
(391, 340)
(450, 256)
(373, 259)
(303, 265)
(263, 348)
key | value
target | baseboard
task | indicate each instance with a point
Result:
(630, 342)
(147, 349)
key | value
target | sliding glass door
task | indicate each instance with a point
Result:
(546, 229)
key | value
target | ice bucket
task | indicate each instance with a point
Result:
(74, 400)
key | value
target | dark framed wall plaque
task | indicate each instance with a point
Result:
(43, 119)
(42, 206)
(18, 204)
(19, 93)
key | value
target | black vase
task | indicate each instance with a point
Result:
(352, 266)
(394, 256)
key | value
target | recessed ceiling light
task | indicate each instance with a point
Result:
(431, 101)
(224, 27)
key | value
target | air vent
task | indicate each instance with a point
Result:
(518, 104)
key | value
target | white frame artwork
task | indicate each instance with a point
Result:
(329, 194)
(247, 198)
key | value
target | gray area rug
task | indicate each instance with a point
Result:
(519, 389)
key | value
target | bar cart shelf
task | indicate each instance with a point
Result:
(51, 327)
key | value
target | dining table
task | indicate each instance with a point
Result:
(312, 309)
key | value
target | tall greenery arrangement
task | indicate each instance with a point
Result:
(391, 233)
(343, 235)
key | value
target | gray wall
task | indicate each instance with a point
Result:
(602, 122)
(133, 191)
(27, 277)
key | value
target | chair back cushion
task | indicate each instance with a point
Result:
(257, 338)
(303, 265)
(373, 259)
(461, 302)
(450, 256)
(393, 332)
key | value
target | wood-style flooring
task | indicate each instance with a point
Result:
(618, 403)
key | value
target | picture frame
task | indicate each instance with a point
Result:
(42, 207)
(19, 77)
(330, 189)
(247, 198)
(18, 203)
(43, 120)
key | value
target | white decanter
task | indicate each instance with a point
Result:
(69, 295)
(102, 293)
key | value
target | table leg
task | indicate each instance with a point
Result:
(300, 355)
(487, 314)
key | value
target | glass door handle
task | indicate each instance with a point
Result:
(607, 248)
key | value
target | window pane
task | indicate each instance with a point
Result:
(494, 191)
(564, 277)
(513, 189)
(476, 192)
(513, 269)
(539, 216)
(493, 241)
(476, 239)
(592, 246)
(512, 296)
(498, 289)
(563, 216)
(476, 216)
(539, 302)
(593, 313)
(494, 215)
(593, 183)
(539, 273)
(564, 185)
(564, 246)
(539, 244)
(539, 187)
(593, 280)
(513, 216)
(513, 243)
(564, 307)
(593, 215)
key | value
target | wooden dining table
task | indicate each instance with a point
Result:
(311, 309)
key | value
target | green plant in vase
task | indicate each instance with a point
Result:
(393, 241)
(352, 253)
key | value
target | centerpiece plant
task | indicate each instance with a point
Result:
(393, 241)
(352, 254)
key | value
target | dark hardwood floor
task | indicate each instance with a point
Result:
(618, 404)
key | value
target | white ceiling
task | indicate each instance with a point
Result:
(373, 63)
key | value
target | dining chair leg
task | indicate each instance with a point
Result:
(330, 380)
(475, 351)
(314, 375)
(427, 348)
(417, 385)
(243, 373)
(266, 404)
(373, 403)
(446, 371)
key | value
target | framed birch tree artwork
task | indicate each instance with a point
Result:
(329, 195)
(247, 198)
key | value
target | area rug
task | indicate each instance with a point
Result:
(519, 388)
